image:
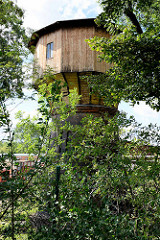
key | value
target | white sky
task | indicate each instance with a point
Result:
(40, 13)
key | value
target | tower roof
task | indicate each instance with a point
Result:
(87, 22)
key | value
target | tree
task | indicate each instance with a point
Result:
(27, 134)
(3, 147)
(14, 190)
(133, 51)
(13, 43)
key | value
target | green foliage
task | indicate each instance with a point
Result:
(34, 136)
(101, 192)
(133, 52)
(3, 147)
(13, 41)
(13, 51)
(27, 134)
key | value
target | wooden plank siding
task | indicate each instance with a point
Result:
(40, 53)
(76, 54)
(71, 52)
(100, 66)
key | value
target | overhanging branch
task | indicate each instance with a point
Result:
(129, 13)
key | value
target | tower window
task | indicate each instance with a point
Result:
(50, 50)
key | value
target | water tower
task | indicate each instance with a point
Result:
(62, 46)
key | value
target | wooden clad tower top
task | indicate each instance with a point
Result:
(63, 47)
(69, 50)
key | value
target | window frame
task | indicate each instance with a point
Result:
(49, 50)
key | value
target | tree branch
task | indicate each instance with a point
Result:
(129, 13)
